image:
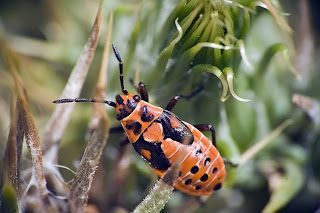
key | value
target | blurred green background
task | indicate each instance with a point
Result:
(49, 36)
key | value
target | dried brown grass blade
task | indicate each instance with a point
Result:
(309, 105)
(99, 112)
(61, 116)
(277, 17)
(105, 58)
(82, 182)
(98, 108)
(32, 139)
(10, 157)
(252, 151)
(99, 125)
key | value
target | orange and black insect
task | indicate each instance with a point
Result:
(158, 135)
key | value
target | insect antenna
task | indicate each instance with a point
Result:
(69, 100)
(120, 69)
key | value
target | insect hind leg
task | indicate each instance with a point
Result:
(230, 162)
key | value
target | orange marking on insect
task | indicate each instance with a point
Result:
(136, 116)
(153, 133)
(174, 122)
(146, 154)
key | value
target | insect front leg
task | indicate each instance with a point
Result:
(141, 89)
(143, 92)
(116, 129)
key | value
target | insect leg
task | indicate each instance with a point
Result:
(124, 142)
(141, 89)
(176, 98)
(143, 92)
(208, 127)
(119, 129)
(116, 129)
(230, 162)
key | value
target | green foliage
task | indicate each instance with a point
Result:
(8, 200)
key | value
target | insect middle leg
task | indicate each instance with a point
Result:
(176, 98)
(208, 127)
(119, 129)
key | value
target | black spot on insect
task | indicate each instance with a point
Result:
(119, 100)
(198, 187)
(204, 177)
(188, 181)
(214, 170)
(123, 113)
(131, 104)
(180, 173)
(145, 117)
(194, 169)
(198, 152)
(157, 121)
(207, 161)
(180, 133)
(157, 159)
(217, 187)
(136, 126)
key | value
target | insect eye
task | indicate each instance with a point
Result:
(136, 98)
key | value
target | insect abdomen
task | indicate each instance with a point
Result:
(161, 141)
(202, 169)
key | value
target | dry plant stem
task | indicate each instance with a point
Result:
(304, 42)
(61, 116)
(159, 195)
(10, 157)
(82, 182)
(99, 111)
(101, 85)
(155, 201)
(161, 191)
(32, 140)
(105, 58)
(250, 153)
(277, 17)
(19, 140)
(309, 106)
(34, 148)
